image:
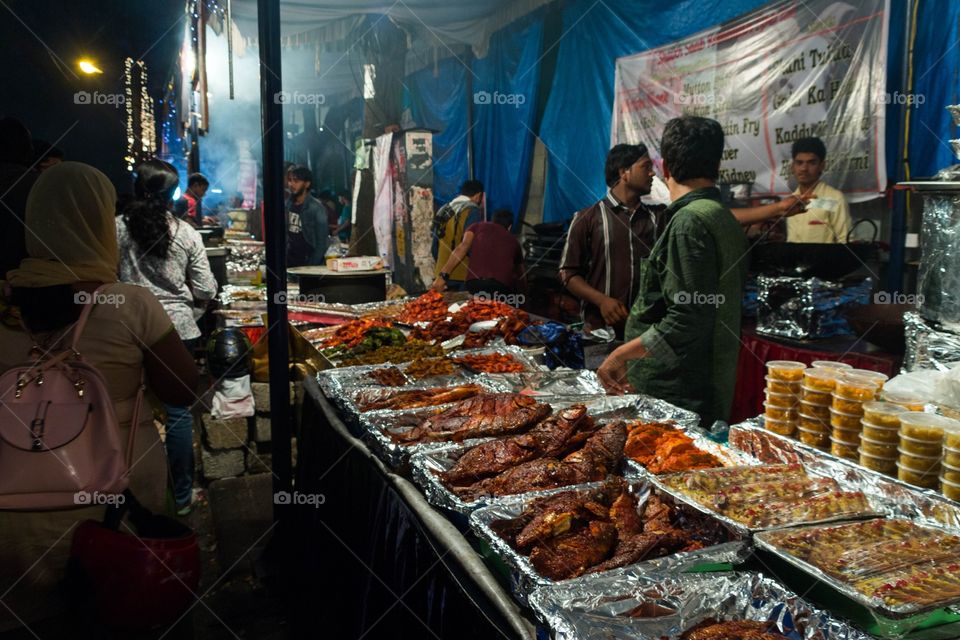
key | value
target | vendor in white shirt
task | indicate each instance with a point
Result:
(827, 219)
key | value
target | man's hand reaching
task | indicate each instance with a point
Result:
(613, 311)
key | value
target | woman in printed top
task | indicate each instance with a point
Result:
(166, 255)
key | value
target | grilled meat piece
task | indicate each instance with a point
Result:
(623, 513)
(636, 548)
(601, 455)
(415, 398)
(733, 630)
(477, 417)
(546, 439)
(572, 554)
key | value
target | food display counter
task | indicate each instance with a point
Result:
(473, 493)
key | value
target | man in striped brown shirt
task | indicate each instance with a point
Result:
(608, 240)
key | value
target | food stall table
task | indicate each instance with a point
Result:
(347, 287)
(756, 350)
(375, 557)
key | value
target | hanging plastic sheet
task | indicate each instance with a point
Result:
(938, 281)
(928, 346)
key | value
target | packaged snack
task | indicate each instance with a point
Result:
(779, 413)
(830, 364)
(781, 427)
(884, 414)
(782, 400)
(844, 420)
(910, 402)
(950, 489)
(917, 478)
(878, 448)
(919, 462)
(847, 404)
(816, 396)
(820, 379)
(786, 370)
(781, 386)
(856, 388)
(880, 434)
(926, 426)
(880, 464)
(814, 438)
(843, 449)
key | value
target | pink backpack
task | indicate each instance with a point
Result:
(60, 445)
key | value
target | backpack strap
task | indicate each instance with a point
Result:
(85, 315)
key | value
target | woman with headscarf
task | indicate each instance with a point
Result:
(166, 255)
(71, 242)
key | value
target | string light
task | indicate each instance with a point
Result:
(142, 138)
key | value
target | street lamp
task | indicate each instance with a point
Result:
(88, 67)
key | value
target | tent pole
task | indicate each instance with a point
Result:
(470, 175)
(271, 111)
(901, 199)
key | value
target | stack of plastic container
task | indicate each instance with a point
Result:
(784, 378)
(815, 398)
(922, 447)
(910, 402)
(846, 411)
(950, 475)
(880, 437)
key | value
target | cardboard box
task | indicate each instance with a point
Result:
(357, 263)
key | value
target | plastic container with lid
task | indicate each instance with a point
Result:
(854, 387)
(779, 413)
(950, 472)
(884, 414)
(781, 386)
(846, 404)
(820, 379)
(786, 370)
(909, 401)
(917, 477)
(951, 457)
(813, 423)
(926, 426)
(950, 489)
(921, 447)
(878, 448)
(815, 396)
(831, 364)
(880, 464)
(951, 439)
(780, 427)
(844, 449)
(844, 420)
(919, 462)
(812, 409)
(818, 439)
(783, 400)
(846, 435)
(880, 434)
(879, 378)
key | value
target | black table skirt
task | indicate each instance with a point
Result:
(375, 560)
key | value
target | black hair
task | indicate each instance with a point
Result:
(46, 309)
(197, 178)
(146, 214)
(503, 217)
(621, 156)
(692, 147)
(43, 150)
(16, 145)
(809, 145)
(471, 188)
(301, 173)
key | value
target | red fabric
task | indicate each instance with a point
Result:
(494, 253)
(756, 351)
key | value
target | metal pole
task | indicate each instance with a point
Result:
(268, 17)
(901, 201)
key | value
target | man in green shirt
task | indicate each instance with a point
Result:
(683, 332)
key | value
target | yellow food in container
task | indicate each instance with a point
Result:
(921, 447)
(910, 402)
(926, 426)
(846, 435)
(780, 427)
(818, 439)
(783, 400)
(844, 449)
(779, 413)
(879, 464)
(816, 396)
(880, 434)
(821, 411)
(812, 423)
(831, 364)
(820, 379)
(951, 456)
(855, 388)
(844, 420)
(884, 414)
(781, 386)
(847, 404)
(878, 448)
(878, 378)
(917, 477)
(786, 370)
(951, 439)
(951, 473)
(950, 489)
(919, 462)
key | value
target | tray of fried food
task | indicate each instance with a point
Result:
(629, 603)
(566, 534)
(662, 447)
(566, 448)
(429, 307)
(895, 567)
(755, 498)
(367, 399)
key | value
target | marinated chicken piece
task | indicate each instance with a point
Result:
(477, 417)
(640, 547)
(624, 514)
(733, 630)
(662, 448)
(546, 439)
(572, 554)
(416, 398)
